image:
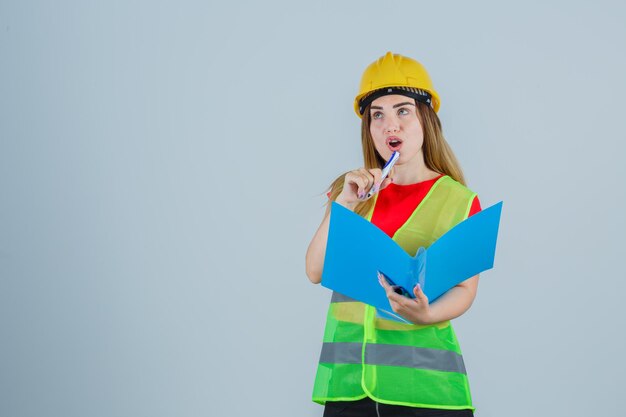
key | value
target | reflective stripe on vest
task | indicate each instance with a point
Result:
(392, 362)
(340, 298)
(393, 355)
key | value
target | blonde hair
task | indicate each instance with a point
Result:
(438, 155)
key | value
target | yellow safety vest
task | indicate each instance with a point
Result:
(388, 361)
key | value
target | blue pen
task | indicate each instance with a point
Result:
(394, 157)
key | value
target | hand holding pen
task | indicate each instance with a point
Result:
(386, 170)
(361, 184)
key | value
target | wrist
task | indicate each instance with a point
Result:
(349, 205)
(425, 318)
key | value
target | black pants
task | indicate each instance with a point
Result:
(367, 407)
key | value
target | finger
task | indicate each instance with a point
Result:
(394, 296)
(385, 183)
(360, 181)
(377, 173)
(419, 294)
(353, 177)
(368, 177)
(389, 290)
(383, 282)
(389, 179)
(367, 174)
(364, 186)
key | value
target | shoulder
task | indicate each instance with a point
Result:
(450, 184)
(460, 196)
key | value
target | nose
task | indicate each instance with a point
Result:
(392, 126)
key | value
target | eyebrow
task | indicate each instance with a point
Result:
(396, 105)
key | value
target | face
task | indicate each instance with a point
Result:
(395, 127)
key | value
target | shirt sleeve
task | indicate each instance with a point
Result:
(475, 207)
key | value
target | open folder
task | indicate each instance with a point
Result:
(357, 249)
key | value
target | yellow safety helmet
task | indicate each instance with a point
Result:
(395, 74)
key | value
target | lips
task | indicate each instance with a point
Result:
(394, 143)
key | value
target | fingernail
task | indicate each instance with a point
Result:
(376, 187)
(361, 195)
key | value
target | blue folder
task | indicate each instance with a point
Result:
(356, 249)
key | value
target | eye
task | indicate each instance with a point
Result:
(376, 114)
(402, 109)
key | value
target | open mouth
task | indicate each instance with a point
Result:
(394, 143)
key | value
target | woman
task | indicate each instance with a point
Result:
(370, 365)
